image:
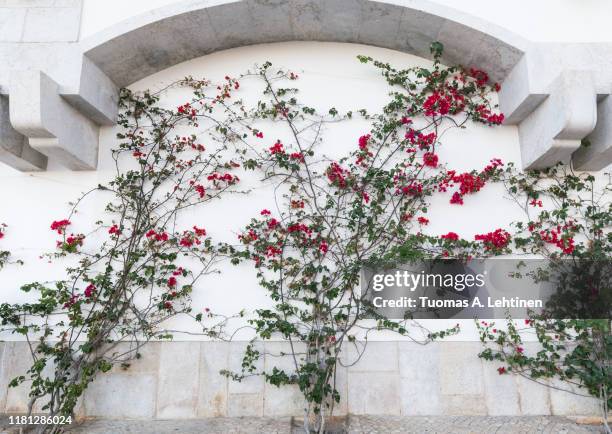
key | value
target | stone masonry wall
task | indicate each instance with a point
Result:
(177, 380)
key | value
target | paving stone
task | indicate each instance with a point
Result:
(3, 378)
(461, 369)
(464, 425)
(245, 404)
(534, 397)
(253, 384)
(122, 396)
(178, 380)
(501, 392)
(250, 425)
(341, 408)
(15, 363)
(566, 403)
(212, 401)
(148, 362)
(373, 357)
(420, 378)
(354, 425)
(285, 400)
(373, 393)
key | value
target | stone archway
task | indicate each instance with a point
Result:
(59, 93)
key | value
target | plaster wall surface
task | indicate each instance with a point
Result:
(395, 375)
(330, 76)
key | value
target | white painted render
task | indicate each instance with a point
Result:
(70, 57)
(330, 75)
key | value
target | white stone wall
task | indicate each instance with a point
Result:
(544, 20)
(330, 75)
(178, 380)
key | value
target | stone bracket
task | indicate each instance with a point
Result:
(14, 148)
(554, 130)
(598, 154)
(53, 126)
(95, 95)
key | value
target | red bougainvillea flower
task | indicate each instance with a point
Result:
(456, 199)
(430, 159)
(265, 212)
(501, 370)
(363, 142)
(536, 203)
(413, 189)
(73, 299)
(272, 223)
(277, 148)
(74, 240)
(200, 232)
(450, 236)
(485, 115)
(186, 242)
(423, 141)
(299, 227)
(494, 164)
(162, 236)
(71, 243)
(423, 221)
(323, 247)
(554, 236)
(90, 290)
(60, 225)
(337, 175)
(481, 77)
(272, 251)
(114, 230)
(171, 281)
(437, 103)
(495, 240)
(226, 177)
(200, 190)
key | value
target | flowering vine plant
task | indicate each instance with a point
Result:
(333, 217)
(135, 268)
(568, 221)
